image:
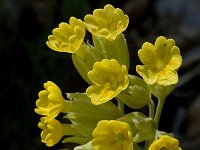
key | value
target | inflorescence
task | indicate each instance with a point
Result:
(92, 119)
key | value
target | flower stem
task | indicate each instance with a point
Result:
(151, 109)
(159, 108)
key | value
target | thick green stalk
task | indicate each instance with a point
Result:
(159, 108)
(151, 109)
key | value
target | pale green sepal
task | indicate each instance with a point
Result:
(116, 49)
(143, 128)
(82, 103)
(146, 129)
(69, 130)
(137, 95)
(87, 146)
(84, 129)
(160, 91)
(85, 115)
(76, 139)
(84, 58)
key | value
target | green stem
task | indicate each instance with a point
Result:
(151, 109)
(120, 106)
(159, 108)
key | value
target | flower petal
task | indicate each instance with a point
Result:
(147, 74)
(147, 54)
(101, 94)
(104, 71)
(167, 77)
(176, 60)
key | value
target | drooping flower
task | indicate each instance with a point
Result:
(51, 101)
(112, 134)
(161, 62)
(110, 78)
(165, 142)
(107, 22)
(67, 37)
(52, 132)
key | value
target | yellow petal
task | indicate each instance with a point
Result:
(147, 54)
(148, 76)
(167, 77)
(176, 60)
(104, 71)
(101, 94)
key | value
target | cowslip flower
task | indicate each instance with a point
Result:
(161, 62)
(165, 142)
(67, 37)
(110, 78)
(112, 134)
(51, 101)
(52, 132)
(107, 22)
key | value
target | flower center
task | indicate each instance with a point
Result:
(120, 137)
(114, 85)
(160, 65)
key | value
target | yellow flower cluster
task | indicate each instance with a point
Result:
(50, 104)
(93, 119)
(108, 23)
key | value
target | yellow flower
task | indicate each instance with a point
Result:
(67, 37)
(161, 62)
(165, 142)
(52, 132)
(112, 135)
(51, 101)
(110, 78)
(107, 22)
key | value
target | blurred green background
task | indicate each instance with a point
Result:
(26, 62)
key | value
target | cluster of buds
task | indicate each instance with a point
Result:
(96, 119)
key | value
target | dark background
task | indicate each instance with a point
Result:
(26, 62)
